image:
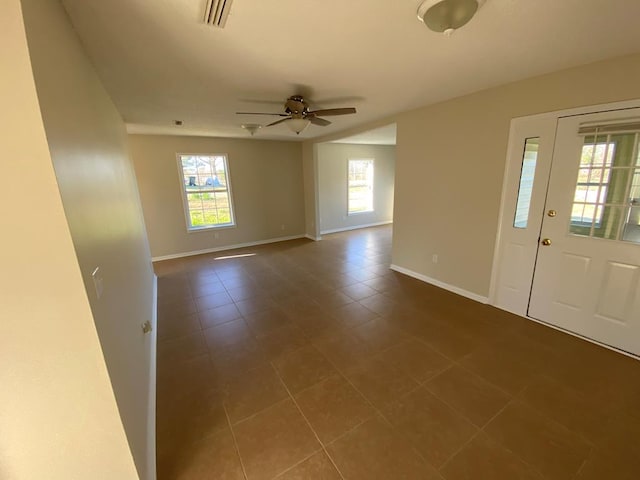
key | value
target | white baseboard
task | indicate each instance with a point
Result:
(311, 237)
(355, 227)
(438, 283)
(226, 247)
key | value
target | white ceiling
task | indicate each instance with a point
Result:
(160, 62)
(378, 136)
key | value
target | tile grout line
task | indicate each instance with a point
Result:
(584, 463)
(235, 442)
(487, 381)
(324, 449)
(315, 452)
(344, 377)
(481, 430)
(478, 431)
(513, 398)
(377, 411)
(519, 396)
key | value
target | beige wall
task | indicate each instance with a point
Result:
(58, 416)
(266, 183)
(88, 145)
(332, 184)
(311, 197)
(450, 162)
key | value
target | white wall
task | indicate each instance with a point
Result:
(88, 145)
(310, 180)
(58, 415)
(332, 161)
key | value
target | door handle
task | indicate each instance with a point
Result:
(552, 213)
(546, 242)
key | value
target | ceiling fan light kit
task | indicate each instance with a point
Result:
(297, 125)
(252, 128)
(446, 16)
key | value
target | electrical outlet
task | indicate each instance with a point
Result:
(434, 258)
(98, 281)
(216, 235)
(282, 227)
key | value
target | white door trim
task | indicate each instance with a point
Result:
(512, 174)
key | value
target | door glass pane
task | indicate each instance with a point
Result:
(635, 188)
(596, 152)
(632, 227)
(624, 146)
(529, 159)
(607, 194)
(610, 224)
(619, 186)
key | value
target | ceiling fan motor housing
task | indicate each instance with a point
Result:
(296, 105)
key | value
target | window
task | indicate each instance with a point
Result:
(360, 187)
(206, 191)
(593, 182)
(607, 194)
(529, 159)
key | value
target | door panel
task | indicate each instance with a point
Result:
(528, 163)
(571, 279)
(619, 283)
(587, 279)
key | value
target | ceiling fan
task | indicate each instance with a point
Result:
(298, 116)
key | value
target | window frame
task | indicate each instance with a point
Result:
(185, 200)
(596, 221)
(612, 169)
(373, 176)
(526, 183)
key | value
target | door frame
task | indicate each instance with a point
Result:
(511, 180)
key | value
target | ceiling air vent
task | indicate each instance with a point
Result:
(216, 12)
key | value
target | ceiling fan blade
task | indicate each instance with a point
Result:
(334, 111)
(279, 121)
(262, 113)
(318, 121)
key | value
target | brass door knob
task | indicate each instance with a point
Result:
(552, 213)
(546, 242)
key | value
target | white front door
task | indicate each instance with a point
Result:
(587, 272)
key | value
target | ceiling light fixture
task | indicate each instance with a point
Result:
(252, 128)
(297, 125)
(446, 16)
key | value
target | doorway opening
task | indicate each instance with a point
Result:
(356, 177)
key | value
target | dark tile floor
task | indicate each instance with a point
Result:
(312, 360)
